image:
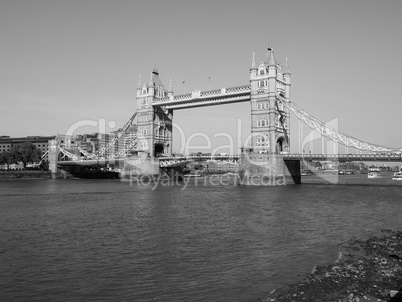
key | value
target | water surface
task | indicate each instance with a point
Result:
(103, 240)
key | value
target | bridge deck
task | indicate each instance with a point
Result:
(175, 160)
(345, 157)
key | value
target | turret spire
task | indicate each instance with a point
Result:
(286, 66)
(139, 81)
(253, 65)
(151, 80)
(271, 57)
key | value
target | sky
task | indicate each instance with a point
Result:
(67, 63)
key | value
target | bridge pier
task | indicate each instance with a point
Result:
(140, 166)
(268, 170)
(148, 167)
(53, 155)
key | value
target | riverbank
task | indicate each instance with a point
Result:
(365, 271)
(10, 175)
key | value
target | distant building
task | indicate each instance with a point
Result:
(82, 144)
(88, 142)
(40, 142)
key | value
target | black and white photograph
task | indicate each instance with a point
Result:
(200, 151)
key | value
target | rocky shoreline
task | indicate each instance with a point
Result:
(369, 270)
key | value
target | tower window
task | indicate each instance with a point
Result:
(262, 72)
(262, 123)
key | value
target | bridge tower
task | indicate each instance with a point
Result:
(154, 124)
(269, 115)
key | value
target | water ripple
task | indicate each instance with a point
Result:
(106, 240)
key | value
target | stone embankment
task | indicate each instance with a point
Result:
(10, 175)
(368, 270)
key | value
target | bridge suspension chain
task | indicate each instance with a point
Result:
(84, 152)
(332, 133)
(131, 141)
(281, 120)
(66, 154)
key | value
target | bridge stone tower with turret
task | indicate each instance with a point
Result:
(270, 89)
(154, 124)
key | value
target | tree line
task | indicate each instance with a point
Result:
(24, 153)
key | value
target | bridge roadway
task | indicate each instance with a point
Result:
(178, 160)
(174, 160)
(346, 157)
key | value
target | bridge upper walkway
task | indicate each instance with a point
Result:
(206, 98)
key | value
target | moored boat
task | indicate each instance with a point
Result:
(373, 173)
(398, 175)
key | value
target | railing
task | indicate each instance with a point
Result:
(359, 157)
(198, 156)
(199, 102)
(211, 93)
(204, 95)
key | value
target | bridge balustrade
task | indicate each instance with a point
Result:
(199, 156)
(211, 93)
(209, 97)
(361, 157)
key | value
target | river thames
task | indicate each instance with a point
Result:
(106, 240)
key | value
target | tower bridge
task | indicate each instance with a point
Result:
(149, 132)
(269, 114)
